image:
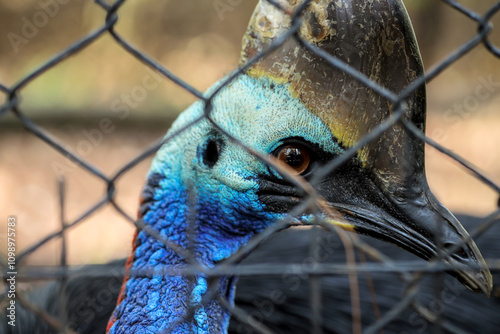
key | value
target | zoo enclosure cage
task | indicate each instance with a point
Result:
(12, 107)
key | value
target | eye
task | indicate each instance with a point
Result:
(295, 156)
(211, 153)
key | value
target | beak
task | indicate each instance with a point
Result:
(414, 221)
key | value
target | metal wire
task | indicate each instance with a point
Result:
(410, 272)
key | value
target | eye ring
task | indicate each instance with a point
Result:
(295, 156)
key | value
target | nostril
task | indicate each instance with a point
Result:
(456, 250)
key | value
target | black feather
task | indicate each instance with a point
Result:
(282, 302)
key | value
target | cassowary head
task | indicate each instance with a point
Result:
(208, 195)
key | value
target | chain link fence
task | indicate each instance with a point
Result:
(254, 316)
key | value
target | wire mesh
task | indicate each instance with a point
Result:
(356, 250)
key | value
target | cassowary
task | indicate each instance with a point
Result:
(206, 196)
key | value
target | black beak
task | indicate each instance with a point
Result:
(413, 220)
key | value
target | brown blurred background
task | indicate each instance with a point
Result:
(200, 42)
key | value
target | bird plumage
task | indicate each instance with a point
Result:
(90, 296)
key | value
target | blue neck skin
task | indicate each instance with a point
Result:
(173, 304)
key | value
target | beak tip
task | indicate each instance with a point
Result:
(487, 288)
(479, 282)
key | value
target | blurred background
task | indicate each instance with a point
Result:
(108, 107)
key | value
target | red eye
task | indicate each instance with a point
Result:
(294, 156)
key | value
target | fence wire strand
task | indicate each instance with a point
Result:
(411, 273)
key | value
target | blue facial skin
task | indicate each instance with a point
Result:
(227, 213)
